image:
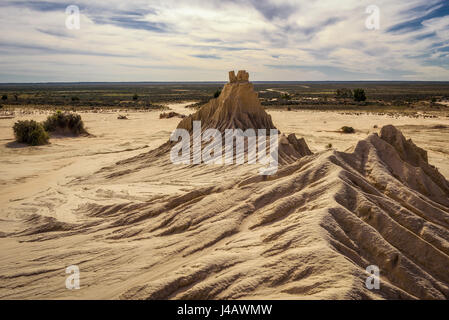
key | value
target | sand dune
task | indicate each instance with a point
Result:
(225, 232)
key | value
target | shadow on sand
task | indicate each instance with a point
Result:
(16, 145)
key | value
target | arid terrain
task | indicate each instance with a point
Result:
(224, 158)
(140, 227)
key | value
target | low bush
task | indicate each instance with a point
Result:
(343, 93)
(346, 129)
(30, 132)
(171, 114)
(65, 123)
(359, 95)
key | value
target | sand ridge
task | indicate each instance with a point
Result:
(307, 232)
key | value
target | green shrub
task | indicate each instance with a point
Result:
(346, 129)
(4, 97)
(135, 97)
(75, 99)
(359, 95)
(30, 132)
(217, 93)
(329, 146)
(343, 93)
(65, 122)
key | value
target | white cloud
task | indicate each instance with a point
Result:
(200, 40)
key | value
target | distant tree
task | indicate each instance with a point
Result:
(135, 97)
(359, 95)
(75, 99)
(286, 96)
(217, 93)
(344, 93)
(4, 97)
(434, 100)
(16, 97)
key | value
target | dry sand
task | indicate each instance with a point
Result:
(144, 228)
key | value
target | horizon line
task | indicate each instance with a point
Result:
(212, 81)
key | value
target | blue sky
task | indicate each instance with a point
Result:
(180, 40)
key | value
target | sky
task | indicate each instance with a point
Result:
(201, 40)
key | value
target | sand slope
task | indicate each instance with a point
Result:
(307, 232)
(311, 230)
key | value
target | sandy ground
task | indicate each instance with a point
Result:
(47, 181)
(318, 128)
(114, 140)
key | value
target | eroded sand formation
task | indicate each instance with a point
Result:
(238, 107)
(309, 231)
